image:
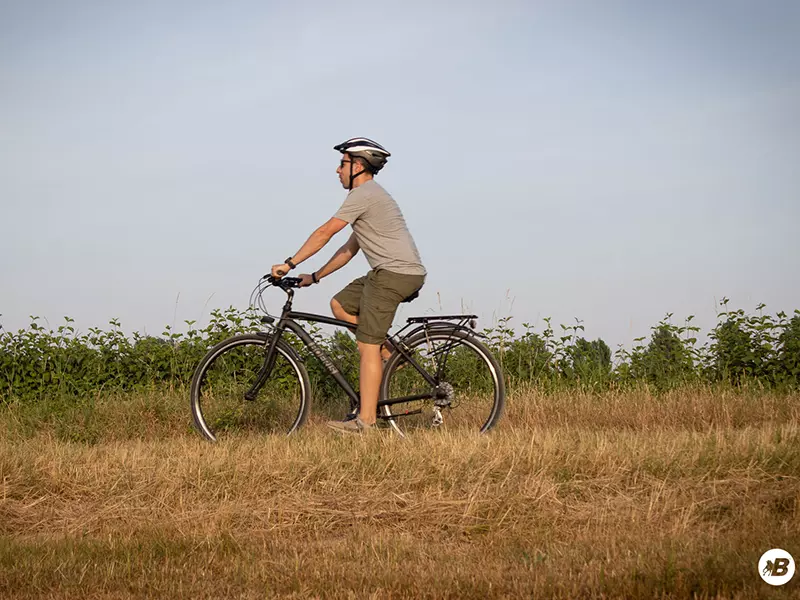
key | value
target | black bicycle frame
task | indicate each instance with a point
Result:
(288, 321)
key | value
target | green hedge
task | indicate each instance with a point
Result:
(36, 362)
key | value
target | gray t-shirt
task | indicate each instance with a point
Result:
(380, 229)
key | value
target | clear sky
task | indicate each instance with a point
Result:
(611, 161)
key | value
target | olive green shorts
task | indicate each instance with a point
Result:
(374, 298)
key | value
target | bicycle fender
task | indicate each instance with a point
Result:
(444, 325)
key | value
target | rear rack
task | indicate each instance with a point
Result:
(441, 318)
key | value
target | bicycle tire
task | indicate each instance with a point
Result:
(482, 391)
(229, 369)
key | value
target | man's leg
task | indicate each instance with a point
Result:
(374, 298)
(369, 380)
(340, 313)
(345, 307)
(370, 368)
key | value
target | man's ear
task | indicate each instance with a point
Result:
(362, 162)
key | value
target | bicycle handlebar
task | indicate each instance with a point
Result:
(284, 283)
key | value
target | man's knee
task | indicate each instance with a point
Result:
(366, 349)
(340, 312)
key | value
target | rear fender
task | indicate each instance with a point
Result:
(443, 325)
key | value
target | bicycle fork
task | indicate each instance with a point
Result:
(266, 368)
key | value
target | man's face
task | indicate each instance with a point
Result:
(343, 170)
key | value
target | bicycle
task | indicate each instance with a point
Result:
(439, 375)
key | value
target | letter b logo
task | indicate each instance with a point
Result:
(776, 566)
(781, 567)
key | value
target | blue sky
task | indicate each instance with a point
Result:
(608, 161)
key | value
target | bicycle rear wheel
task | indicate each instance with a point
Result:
(468, 383)
(229, 370)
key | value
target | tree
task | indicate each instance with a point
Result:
(590, 361)
(667, 361)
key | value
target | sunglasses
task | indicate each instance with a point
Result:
(344, 162)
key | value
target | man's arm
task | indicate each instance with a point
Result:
(313, 244)
(318, 239)
(341, 258)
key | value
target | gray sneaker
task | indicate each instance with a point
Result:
(353, 426)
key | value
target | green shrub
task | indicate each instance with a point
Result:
(36, 362)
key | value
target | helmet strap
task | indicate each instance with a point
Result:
(352, 177)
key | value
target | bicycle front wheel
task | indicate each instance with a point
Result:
(466, 383)
(229, 371)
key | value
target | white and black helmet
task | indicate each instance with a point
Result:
(372, 152)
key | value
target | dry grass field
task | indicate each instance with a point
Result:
(573, 496)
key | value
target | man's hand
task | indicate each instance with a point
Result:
(306, 280)
(280, 270)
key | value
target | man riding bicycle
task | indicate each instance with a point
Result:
(396, 274)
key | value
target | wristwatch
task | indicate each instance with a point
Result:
(289, 262)
(314, 277)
